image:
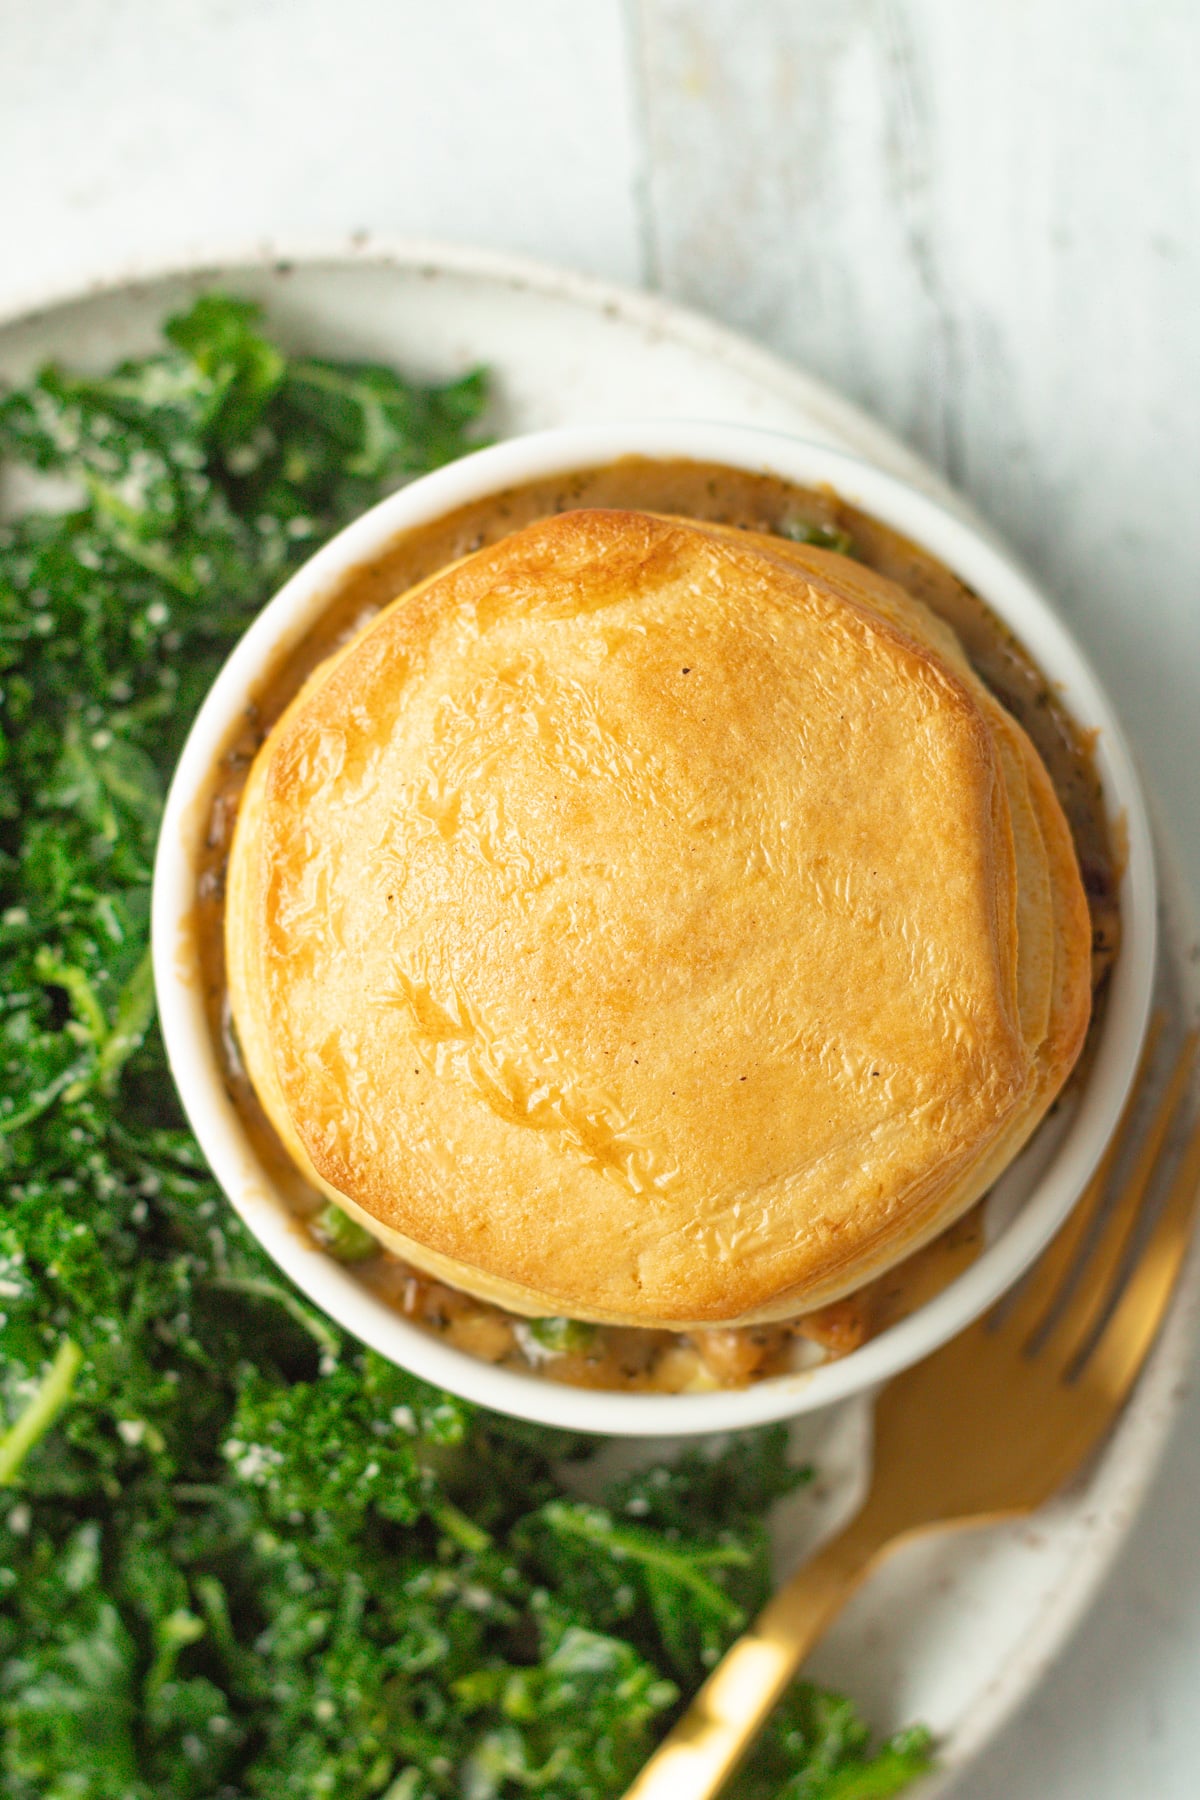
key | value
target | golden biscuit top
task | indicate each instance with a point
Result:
(652, 922)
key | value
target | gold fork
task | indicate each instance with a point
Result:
(987, 1428)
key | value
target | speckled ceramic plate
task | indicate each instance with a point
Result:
(954, 1632)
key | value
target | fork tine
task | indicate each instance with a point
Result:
(1125, 1341)
(1037, 1299)
(1086, 1307)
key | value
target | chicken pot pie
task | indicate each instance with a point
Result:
(654, 923)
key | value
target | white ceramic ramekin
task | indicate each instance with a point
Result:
(1033, 1198)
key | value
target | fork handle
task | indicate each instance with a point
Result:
(698, 1756)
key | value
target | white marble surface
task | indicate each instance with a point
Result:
(979, 220)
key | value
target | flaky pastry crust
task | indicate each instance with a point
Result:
(655, 923)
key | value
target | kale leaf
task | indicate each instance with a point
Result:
(240, 1556)
(817, 1748)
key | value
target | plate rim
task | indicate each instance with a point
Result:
(642, 307)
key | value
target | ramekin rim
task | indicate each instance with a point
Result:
(972, 554)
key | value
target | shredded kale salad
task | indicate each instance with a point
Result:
(239, 1555)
